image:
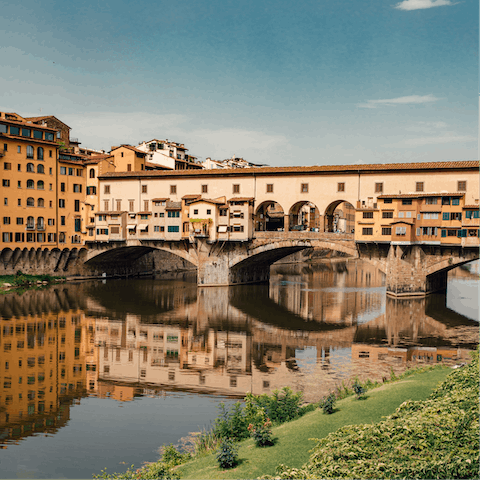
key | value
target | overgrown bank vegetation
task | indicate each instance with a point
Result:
(436, 437)
(24, 281)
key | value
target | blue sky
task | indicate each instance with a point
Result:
(276, 82)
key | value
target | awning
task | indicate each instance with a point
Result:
(143, 227)
(131, 227)
(222, 229)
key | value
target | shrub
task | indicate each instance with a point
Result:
(172, 457)
(358, 389)
(262, 434)
(227, 454)
(151, 471)
(328, 404)
(231, 423)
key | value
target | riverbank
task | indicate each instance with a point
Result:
(24, 282)
(293, 440)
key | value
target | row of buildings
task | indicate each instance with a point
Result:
(56, 194)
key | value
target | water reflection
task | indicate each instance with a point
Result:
(312, 327)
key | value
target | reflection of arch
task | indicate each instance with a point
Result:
(304, 215)
(269, 216)
(335, 220)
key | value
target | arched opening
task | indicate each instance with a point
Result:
(40, 169)
(269, 217)
(30, 167)
(304, 215)
(91, 173)
(40, 185)
(339, 217)
(41, 202)
(40, 153)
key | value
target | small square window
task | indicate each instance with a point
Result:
(144, 188)
(461, 186)
(204, 188)
(269, 187)
(304, 188)
(236, 188)
(379, 187)
(340, 187)
(173, 189)
(419, 186)
(106, 189)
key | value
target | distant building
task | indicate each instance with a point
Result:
(234, 162)
(170, 155)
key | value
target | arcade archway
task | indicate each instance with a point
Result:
(304, 215)
(269, 217)
(340, 217)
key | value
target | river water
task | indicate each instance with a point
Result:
(102, 374)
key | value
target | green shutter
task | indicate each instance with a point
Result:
(444, 233)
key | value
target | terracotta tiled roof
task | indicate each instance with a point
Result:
(160, 199)
(94, 159)
(129, 147)
(144, 213)
(191, 196)
(45, 117)
(476, 207)
(324, 169)
(174, 206)
(241, 199)
(208, 200)
(156, 166)
(111, 212)
(422, 195)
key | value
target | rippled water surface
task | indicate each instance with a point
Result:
(95, 374)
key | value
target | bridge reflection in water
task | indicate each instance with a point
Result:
(311, 328)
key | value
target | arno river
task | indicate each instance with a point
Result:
(96, 373)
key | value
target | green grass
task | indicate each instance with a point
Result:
(292, 439)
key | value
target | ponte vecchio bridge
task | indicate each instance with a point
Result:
(413, 221)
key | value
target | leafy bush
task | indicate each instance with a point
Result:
(328, 404)
(435, 438)
(227, 455)
(262, 434)
(231, 423)
(358, 389)
(172, 457)
(205, 442)
(151, 471)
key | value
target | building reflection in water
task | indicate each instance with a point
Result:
(311, 328)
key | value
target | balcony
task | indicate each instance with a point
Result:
(40, 226)
(30, 226)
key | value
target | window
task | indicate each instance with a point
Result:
(144, 188)
(129, 167)
(91, 173)
(173, 228)
(407, 201)
(431, 201)
(269, 187)
(39, 153)
(62, 187)
(145, 205)
(387, 214)
(61, 203)
(70, 171)
(455, 201)
(19, 220)
(5, 183)
(445, 200)
(304, 188)
(6, 220)
(7, 166)
(79, 172)
(173, 214)
(367, 214)
(106, 189)
(106, 205)
(40, 169)
(38, 135)
(62, 220)
(340, 187)
(119, 205)
(41, 202)
(30, 184)
(3, 128)
(236, 188)
(400, 231)
(63, 170)
(77, 188)
(156, 228)
(114, 229)
(7, 237)
(173, 189)
(40, 185)
(387, 200)
(143, 217)
(195, 212)
(379, 188)
(461, 186)
(223, 212)
(91, 190)
(204, 188)
(77, 205)
(131, 205)
(30, 167)
(386, 231)
(419, 186)
(30, 202)
(29, 151)
(209, 211)
(367, 231)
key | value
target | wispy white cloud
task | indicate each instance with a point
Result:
(426, 127)
(422, 4)
(392, 102)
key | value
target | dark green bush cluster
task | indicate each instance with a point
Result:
(328, 404)
(358, 389)
(262, 434)
(281, 406)
(435, 438)
(227, 454)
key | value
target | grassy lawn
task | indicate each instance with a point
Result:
(292, 439)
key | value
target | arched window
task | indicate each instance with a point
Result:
(40, 153)
(29, 151)
(30, 167)
(61, 237)
(30, 184)
(92, 173)
(41, 202)
(40, 223)
(30, 202)
(40, 185)
(40, 169)
(30, 222)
